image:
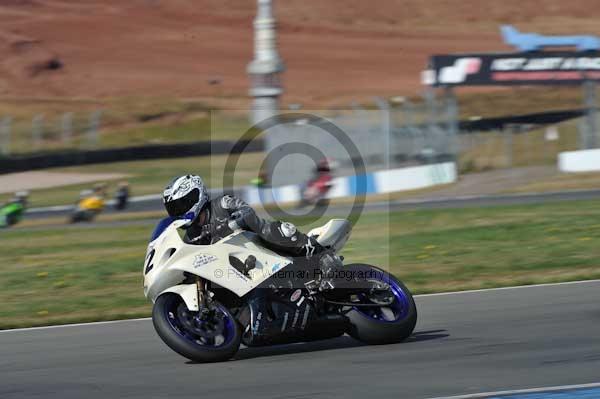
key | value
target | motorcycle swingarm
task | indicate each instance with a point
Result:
(358, 305)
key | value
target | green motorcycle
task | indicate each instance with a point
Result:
(11, 214)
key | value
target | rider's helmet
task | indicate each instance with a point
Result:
(22, 197)
(323, 165)
(85, 193)
(100, 189)
(326, 165)
(185, 197)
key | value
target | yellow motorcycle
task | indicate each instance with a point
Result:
(88, 208)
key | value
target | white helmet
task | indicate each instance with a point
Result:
(185, 197)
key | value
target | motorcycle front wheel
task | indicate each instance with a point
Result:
(385, 324)
(82, 216)
(202, 338)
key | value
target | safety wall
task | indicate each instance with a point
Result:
(385, 181)
(579, 161)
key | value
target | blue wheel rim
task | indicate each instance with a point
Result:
(191, 328)
(393, 313)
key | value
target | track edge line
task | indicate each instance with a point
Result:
(522, 391)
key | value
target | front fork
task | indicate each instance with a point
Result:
(204, 299)
(201, 290)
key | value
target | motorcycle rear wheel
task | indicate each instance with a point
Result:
(385, 324)
(214, 340)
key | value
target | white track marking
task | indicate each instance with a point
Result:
(460, 198)
(517, 287)
(416, 296)
(57, 208)
(521, 391)
(94, 323)
(110, 202)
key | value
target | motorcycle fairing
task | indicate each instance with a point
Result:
(161, 227)
(275, 319)
(168, 257)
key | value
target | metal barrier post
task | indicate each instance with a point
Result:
(67, 128)
(431, 113)
(417, 139)
(93, 135)
(452, 120)
(362, 121)
(37, 131)
(589, 89)
(508, 144)
(384, 107)
(5, 132)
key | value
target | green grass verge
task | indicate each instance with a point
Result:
(562, 182)
(74, 274)
(496, 150)
(150, 177)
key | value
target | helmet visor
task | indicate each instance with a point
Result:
(179, 207)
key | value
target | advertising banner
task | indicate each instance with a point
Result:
(541, 68)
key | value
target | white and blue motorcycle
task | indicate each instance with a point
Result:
(209, 299)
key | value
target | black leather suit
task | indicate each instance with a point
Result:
(278, 236)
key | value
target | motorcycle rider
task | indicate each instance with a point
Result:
(22, 198)
(12, 212)
(186, 197)
(319, 184)
(90, 204)
(122, 196)
(323, 171)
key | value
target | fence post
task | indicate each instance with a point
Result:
(529, 146)
(67, 128)
(93, 135)
(582, 134)
(452, 120)
(589, 90)
(508, 144)
(362, 121)
(384, 107)
(416, 137)
(5, 132)
(431, 112)
(37, 131)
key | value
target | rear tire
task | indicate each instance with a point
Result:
(370, 330)
(180, 340)
(322, 203)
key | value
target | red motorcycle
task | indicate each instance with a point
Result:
(316, 189)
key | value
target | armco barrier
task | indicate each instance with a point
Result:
(153, 151)
(579, 161)
(385, 181)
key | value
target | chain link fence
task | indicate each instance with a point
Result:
(65, 131)
(398, 132)
(384, 135)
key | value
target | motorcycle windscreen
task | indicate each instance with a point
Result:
(160, 227)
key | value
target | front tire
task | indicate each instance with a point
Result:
(385, 325)
(184, 332)
(11, 219)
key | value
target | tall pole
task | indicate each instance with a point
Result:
(452, 122)
(265, 69)
(384, 107)
(591, 137)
